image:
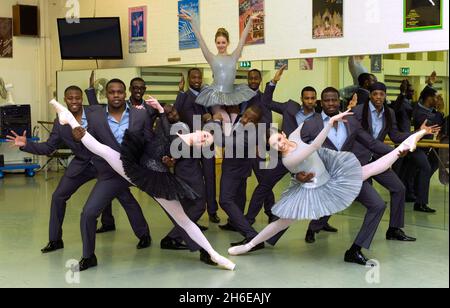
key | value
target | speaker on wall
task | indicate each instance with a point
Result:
(25, 20)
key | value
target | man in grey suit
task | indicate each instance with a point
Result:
(108, 124)
(379, 120)
(80, 170)
(188, 109)
(343, 138)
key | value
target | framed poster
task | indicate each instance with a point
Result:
(186, 36)
(307, 64)
(6, 38)
(328, 19)
(137, 20)
(376, 63)
(246, 9)
(422, 15)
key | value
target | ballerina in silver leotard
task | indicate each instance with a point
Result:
(222, 92)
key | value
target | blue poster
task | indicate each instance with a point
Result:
(187, 39)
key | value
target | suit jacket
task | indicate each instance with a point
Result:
(403, 109)
(100, 130)
(187, 108)
(363, 96)
(62, 135)
(394, 133)
(288, 110)
(355, 133)
(434, 117)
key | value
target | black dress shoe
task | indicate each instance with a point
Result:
(398, 235)
(172, 244)
(228, 227)
(206, 258)
(85, 263)
(310, 236)
(423, 208)
(53, 246)
(328, 228)
(104, 229)
(246, 241)
(145, 241)
(202, 228)
(214, 218)
(355, 257)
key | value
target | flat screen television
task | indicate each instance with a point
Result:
(91, 38)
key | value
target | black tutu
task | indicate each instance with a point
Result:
(148, 173)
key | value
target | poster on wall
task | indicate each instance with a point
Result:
(137, 20)
(328, 20)
(246, 9)
(307, 64)
(186, 36)
(422, 15)
(376, 65)
(6, 38)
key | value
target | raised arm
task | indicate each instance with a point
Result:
(238, 51)
(291, 161)
(185, 15)
(267, 98)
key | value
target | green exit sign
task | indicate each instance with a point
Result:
(245, 64)
(405, 71)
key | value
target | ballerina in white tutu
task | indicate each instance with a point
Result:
(338, 180)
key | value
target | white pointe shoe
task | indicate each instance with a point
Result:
(238, 250)
(223, 262)
(411, 142)
(64, 115)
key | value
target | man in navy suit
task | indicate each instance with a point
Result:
(108, 125)
(188, 109)
(80, 170)
(379, 120)
(424, 159)
(254, 79)
(137, 91)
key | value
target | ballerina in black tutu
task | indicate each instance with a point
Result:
(141, 164)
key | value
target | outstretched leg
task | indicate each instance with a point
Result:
(385, 162)
(267, 233)
(175, 210)
(111, 156)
